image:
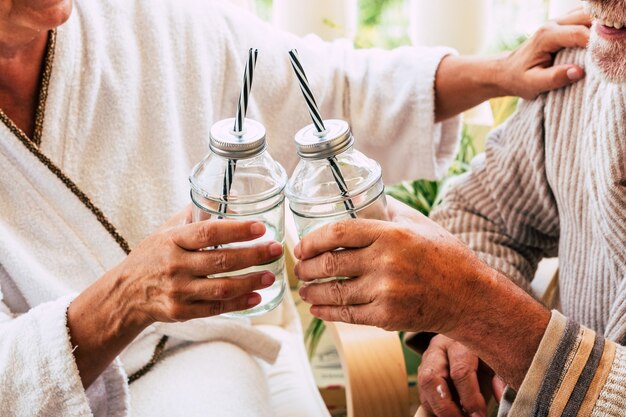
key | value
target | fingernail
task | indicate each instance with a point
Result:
(296, 251)
(302, 293)
(268, 279)
(276, 249)
(254, 299)
(574, 75)
(257, 229)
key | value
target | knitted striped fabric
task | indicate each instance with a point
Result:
(553, 182)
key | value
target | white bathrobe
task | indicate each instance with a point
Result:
(134, 89)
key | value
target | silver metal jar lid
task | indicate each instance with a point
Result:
(336, 139)
(228, 144)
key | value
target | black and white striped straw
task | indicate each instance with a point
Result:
(246, 86)
(229, 173)
(306, 91)
(319, 126)
(343, 187)
(242, 109)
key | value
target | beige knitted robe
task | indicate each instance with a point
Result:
(553, 182)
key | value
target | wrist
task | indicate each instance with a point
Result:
(501, 76)
(503, 325)
(107, 305)
(101, 325)
(488, 76)
(124, 304)
(463, 82)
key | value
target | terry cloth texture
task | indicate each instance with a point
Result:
(134, 88)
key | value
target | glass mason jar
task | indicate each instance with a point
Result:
(239, 180)
(333, 181)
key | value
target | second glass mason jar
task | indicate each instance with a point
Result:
(333, 181)
(239, 180)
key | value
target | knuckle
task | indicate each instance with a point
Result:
(171, 267)
(446, 409)
(329, 264)
(338, 231)
(215, 308)
(262, 255)
(171, 264)
(426, 377)
(336, 293)
(172, 290)
(544, 29)
(346, 315)
(385, 288)
(206, 232)
(460, 372)
(175, 311)
(427, 356)
(222, 261)
(221, 291)
(434, 359)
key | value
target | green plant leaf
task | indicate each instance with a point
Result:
(313, 335)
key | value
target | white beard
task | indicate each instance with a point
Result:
(609, 57)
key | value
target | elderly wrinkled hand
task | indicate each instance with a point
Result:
(164, 280)
(409, 274)
(454, 382)
(530, 68)
(165, 276)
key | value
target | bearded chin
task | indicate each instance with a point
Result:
(609, 57)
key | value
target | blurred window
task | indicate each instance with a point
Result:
(385, 23)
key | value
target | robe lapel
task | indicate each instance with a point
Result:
(53, 240)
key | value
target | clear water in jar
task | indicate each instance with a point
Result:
(375, 211)
(272, 296)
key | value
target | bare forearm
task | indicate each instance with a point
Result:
(504, 327)
(463, 82)
(100, 327)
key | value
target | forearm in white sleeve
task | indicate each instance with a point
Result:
(388, 97)
(39, 375)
